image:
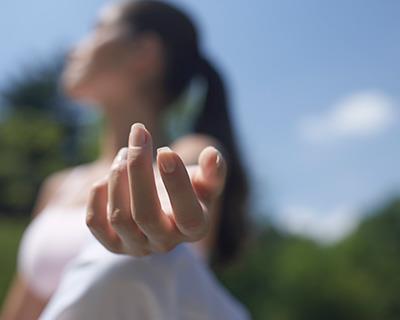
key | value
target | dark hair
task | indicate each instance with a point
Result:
(183, 62)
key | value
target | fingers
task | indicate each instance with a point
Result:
(124, 211)
(96, 218)
(188, 213)
(209, 179)
(145, 205)
(119, 211)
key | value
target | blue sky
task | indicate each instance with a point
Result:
(315, 87)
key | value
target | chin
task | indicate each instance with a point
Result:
(74, 81)
(73, 86)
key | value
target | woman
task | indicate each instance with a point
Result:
(141, 58)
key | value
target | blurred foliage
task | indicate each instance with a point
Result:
(35, 88)
(30, 147)
(40, 132)
(11, 230)
(284, 277)
(281, 277)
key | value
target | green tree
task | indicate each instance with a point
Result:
(41, 132)
(283, 277)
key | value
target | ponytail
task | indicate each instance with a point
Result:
(184, 62)
(214, 120)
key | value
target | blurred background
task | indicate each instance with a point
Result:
(315, 89)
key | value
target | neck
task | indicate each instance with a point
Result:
(119, 118)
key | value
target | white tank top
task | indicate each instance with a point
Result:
(177, 285)
(50, 242)
(53, 239)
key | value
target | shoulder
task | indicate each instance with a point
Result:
(190, 146)
(51, 186)
(53, 181)
(56, 179)
(48, 189)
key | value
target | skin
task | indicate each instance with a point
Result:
(129, 211)
(142, 201)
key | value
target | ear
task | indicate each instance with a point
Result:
(149, 55)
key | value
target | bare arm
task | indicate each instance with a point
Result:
(21, 303)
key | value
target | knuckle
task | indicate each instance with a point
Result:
(91, 220)
(146, 220)
(145, 253)
(164, 247)
(196, 230)
(114, 248)
(112, 245)
(193, 224)
(140, 252)
(117, 217)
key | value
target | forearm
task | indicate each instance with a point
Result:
(21, 303)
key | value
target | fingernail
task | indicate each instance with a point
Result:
(137, 137)
(121, 156)
(218, 158)
(167, 162)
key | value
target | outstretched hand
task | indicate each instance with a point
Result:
(139, 209)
